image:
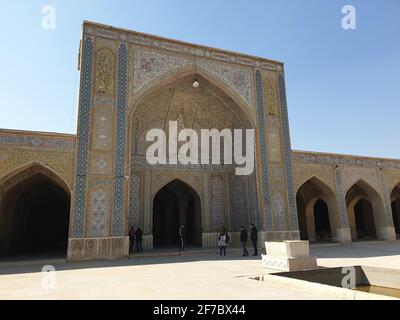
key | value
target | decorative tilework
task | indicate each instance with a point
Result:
(103, 126)
(344, 160)
(135, 200)
(83, 139)
(105, 72)
(101, 163)
(255, 216)
(238, 201)
(37, 141)
(182, 48)
(104, 100)
(217, 202)
(288, 154)
(279, 210)
(344, 219)
(239, 79)
(271, 93)
(274, 141)
(263, 150)
(99, 206)
(149, 64)
(141, 162)
(118, 221)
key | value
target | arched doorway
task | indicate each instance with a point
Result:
(176, 204)
(395, 201)
(321, 221)
(34, 214)
(364, 220)
(366, 212)
(317, 211)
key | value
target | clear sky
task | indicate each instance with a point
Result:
(343, 85)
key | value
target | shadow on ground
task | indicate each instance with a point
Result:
(25, 265)
(362, 249)
(34, 264)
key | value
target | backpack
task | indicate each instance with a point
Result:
(222, 241)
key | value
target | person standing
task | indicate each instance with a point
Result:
(243, 240)
(254, 238)
(222, 243)
(132, 235)
(139, 240)
(225, 232)
(182, 238)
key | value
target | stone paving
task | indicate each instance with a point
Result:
(199, 276)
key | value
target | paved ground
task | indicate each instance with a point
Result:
(201, 276)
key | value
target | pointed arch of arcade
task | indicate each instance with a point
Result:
(395, 204)
(318, 211)
(34, 211)
(366, 212)
(176, 204)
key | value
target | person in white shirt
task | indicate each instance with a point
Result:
(222, 243)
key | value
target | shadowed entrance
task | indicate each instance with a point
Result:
(176, 204)
(395, 199)
(34, 216)
(317, 211)
(365, 210)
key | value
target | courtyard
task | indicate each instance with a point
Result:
(197, 276)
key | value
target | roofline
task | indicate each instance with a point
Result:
(180, 42)
(72, 135)
(345, 155)
(27, 132)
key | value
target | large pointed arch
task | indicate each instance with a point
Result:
(168, 179)
(318, 211)
(366, 212)
(34, 211)
(223, 90)
(29, 169)
(144, 114)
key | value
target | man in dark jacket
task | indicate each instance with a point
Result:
(182, 238)
(243, 239)
(139, 240)
(132, 236)
(254, 238)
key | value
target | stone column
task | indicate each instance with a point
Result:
(352, 223)
(264, 185)
(82, 158)
(343, 231)
(310, 223)
(294, 223)
(227, 202)
(97, 188)
(147, 206)
(388, 230)
(119, 227)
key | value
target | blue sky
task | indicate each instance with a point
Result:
(343, 86)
